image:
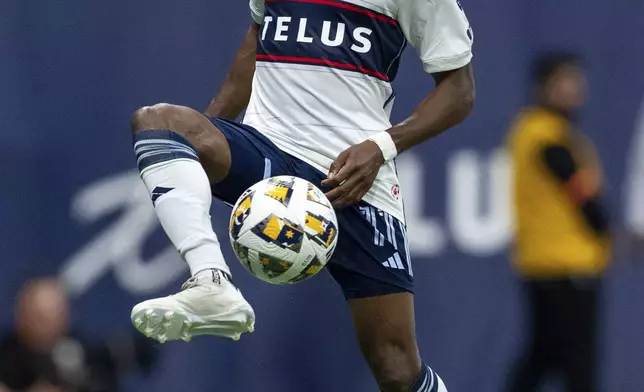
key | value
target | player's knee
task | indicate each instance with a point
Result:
(180, 120)
(153, 117)
(395, 364)
(205, 139)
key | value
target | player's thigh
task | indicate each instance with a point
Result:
(209, 141)
(252, 158)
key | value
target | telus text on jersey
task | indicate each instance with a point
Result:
(284, 28)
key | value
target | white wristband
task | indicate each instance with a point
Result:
(386, 144)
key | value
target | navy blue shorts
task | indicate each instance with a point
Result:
(372, 254)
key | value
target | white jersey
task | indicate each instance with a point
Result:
(325, 68)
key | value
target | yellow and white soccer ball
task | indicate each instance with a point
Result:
(283, 230)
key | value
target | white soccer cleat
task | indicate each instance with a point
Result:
(206, 305)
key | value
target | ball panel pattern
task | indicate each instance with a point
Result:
(273, 267)
(242, 254)
(316, 196)
(311, 269)
(283, 230)
(324, 231)
(240, 212)
(280, 232)
(280, 189)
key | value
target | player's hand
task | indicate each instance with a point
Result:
(352, 173)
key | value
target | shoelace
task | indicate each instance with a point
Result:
(216, 278)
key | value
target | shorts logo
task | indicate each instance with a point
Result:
(394, 262)
(395, 191)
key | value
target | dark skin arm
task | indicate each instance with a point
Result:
(352, 174)
(234, 93)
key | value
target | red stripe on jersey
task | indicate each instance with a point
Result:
(372, 14)
(335, 64)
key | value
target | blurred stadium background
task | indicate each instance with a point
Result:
(71, 203)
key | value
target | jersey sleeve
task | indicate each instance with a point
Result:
(257, 10)
(439, 31)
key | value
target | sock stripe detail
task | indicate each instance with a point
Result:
(432, 381)
(142, 151)
(153, 147)
(424, 384)
(427, 381)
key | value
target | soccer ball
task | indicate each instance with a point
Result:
(283, 230)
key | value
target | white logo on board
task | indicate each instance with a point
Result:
(118, 248)
(634, 182)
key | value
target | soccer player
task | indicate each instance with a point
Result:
(314, 77)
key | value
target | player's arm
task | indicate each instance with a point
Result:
(581, 185)
(354, 171)
(234, 94)
(449, 104)
(441, 34)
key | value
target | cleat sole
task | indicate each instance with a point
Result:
(163, 324)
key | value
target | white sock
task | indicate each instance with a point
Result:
(181, 194)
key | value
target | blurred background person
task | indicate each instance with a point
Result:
(41, 354)
(562, 240)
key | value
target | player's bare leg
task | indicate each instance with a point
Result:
(385, 329)
(179, 154)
